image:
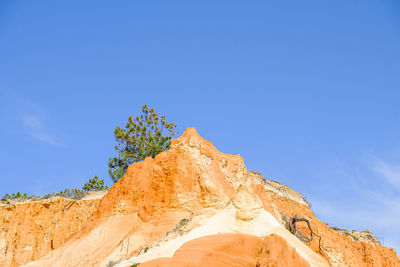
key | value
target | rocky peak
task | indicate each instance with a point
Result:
(140, 219)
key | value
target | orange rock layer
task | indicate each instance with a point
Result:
(239, 250)
(29, 230)
(338, 249)
(192, 181)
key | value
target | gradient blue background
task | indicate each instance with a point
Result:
(306, 91)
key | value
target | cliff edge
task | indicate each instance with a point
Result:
(189, 206)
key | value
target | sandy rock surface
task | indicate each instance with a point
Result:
(233, 250)
(31, 229)
(165, 205)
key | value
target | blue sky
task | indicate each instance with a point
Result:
(306, 91)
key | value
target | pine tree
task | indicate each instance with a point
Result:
(144, 136)
(94, 184)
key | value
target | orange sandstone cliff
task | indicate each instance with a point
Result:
(29, 230)
(189, 206)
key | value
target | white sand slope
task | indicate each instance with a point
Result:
(94, 195)
(226, 221)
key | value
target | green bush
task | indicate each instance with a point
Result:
(17, 195)
(72, 193)
(144, 136)
(94, 184)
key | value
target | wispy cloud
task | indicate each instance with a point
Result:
(373, 204)
(36, 129)
(382, 221)
(31, 116)
(391, 173)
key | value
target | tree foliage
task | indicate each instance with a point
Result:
(72, 193)
(94, 184)
(144, 136)
(17, 195)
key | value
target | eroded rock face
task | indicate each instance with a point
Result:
(215, 250)
(233, 250)
(338, 249)
(193, 182)
(248, 205)
(193, 174)
(30, 230)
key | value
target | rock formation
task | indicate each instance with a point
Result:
(30, 229)
(233, 250)
(191, 205)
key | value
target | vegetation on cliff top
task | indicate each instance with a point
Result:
(144, 136)
(94, 184)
